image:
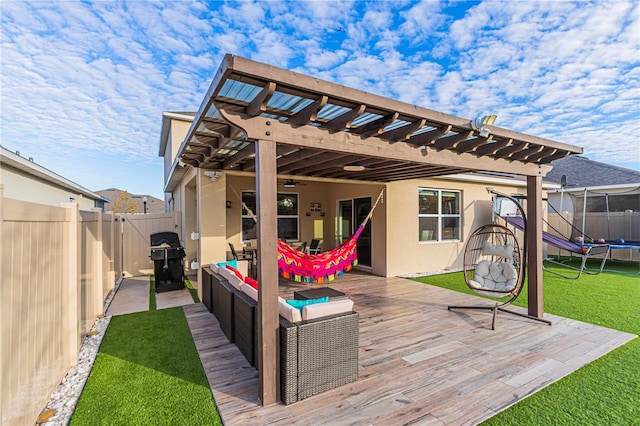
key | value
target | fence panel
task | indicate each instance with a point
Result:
(108, 254)
(90, 268)
(136, 232)
(39, 341)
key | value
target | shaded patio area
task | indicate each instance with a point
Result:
(418, 361)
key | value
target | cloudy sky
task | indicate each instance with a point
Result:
(84, 84)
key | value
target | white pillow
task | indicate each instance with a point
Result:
(497, 250)
(288, 312)
(243, 267)
(495, 273)
(482, 269)
(509, 271)
(249, 291)
(319, 310)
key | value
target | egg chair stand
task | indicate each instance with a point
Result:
(494, 267)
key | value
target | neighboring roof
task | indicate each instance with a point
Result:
(28, 166)
(320, 127)
(582, 172)
(154, 205)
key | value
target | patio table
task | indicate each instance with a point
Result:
(317, 293)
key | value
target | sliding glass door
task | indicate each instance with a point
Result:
(351, 213)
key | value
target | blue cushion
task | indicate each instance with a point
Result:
(299, 304)
(233, 263)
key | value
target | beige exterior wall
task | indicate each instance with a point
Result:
(185, 195)
(212, 222)
(176, 135)
(405, 253)
(21, 186)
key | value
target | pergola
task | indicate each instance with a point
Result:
(267, 120)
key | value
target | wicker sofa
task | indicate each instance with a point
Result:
(315, 355)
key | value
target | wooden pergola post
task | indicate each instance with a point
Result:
(534, 246)
(266, 197)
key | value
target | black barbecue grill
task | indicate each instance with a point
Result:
(167, 254)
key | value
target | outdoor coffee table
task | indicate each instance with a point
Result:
(317, 293)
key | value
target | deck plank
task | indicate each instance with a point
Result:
(419, 363)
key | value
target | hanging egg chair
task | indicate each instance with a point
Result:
(494, 267)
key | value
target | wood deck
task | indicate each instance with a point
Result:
(419, 362)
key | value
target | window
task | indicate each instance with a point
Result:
(287, 216)
(438, 215)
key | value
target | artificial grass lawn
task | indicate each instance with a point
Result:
(147, 372)
(607, 391)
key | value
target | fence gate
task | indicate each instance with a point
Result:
(136, 230)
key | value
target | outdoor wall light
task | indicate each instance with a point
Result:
(213, 174)
(353, 168)
(479, 123)
(228, 204)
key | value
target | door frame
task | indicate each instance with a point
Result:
(367, 268)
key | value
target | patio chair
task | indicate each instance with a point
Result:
(493, 267)
(303, 247)
(242, 256)
(245, 255)
(314, 247)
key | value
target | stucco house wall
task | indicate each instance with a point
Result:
(25, 180)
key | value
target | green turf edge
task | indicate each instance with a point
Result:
(192, 290)
(152, 293)
(147, 372)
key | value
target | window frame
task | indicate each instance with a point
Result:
(278, 216)
(440, 216)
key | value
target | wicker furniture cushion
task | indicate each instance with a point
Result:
(249, 291)
(231, 278)
(494, 276)
(320, 310)
(288, 312)
(299, 304)
(235, 271)
(241, 265)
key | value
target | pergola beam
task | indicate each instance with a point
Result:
(344, 142)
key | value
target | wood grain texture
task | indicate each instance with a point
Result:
(419, 363)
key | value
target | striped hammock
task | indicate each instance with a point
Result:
(318, 268)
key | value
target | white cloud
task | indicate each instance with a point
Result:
(95, 77)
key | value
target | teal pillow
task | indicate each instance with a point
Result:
(233, 263)
(299, 304)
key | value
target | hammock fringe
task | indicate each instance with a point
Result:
(318, 268)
